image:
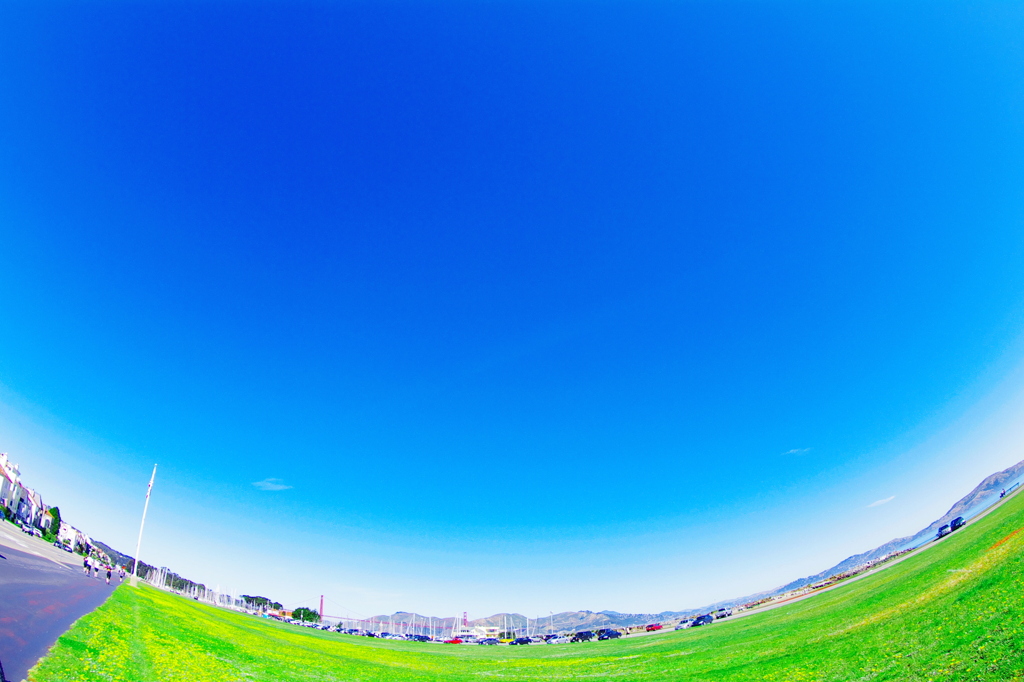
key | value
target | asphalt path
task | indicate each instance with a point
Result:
(42, 592)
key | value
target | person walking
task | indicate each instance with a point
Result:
(85, 565)
(108, 575)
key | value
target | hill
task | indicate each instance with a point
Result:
(950, 612)
(984, 495)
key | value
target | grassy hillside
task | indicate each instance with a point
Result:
(953, 612)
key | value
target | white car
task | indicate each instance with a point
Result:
(683, 625)
(561, 639)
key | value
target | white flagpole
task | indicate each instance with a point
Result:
(134, 582)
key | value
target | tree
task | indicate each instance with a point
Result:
(51, 534)
(257, 602)
(302, 613)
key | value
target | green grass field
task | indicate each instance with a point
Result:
(953, 612)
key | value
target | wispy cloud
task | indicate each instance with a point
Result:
(797, 451)
(271, 484)
(879, 503)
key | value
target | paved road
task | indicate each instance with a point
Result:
(42, 592)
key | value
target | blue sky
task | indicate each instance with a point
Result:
(517, 305)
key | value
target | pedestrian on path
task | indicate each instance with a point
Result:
(108, 575)
(85, 565)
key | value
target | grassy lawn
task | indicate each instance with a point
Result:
(953, 612)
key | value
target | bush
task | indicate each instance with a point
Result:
(302, 613)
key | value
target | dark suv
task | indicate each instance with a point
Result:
(584, 636)
(956, 523)
(609, 634)
(944, 531)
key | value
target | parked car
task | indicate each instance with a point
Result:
(957, 523)
(944, 530)
(722, 613)
(583, 636)
(706, 619)
(609, 634)
(519, 641)
(683, 624)
(559, 639)
(490, 641)
(453, 640)
(653, 627)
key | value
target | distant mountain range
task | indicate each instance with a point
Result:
(566, 621)
(985, 494)
(115, 556)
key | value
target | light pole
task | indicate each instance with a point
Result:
(134, 582)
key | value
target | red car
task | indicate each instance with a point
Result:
(653, 626)
(453, 641)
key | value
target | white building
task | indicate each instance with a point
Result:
(82, 541)
(464, 631)
(31, 508)
(67, 534)
(11, 491)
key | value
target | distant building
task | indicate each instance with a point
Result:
(474, 632)
(11, 491)
(26, 503)
(67, 534)
(46, 519)
(31, 508)
(71, 536)
(83, 543)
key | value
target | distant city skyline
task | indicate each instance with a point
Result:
(447, 307)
